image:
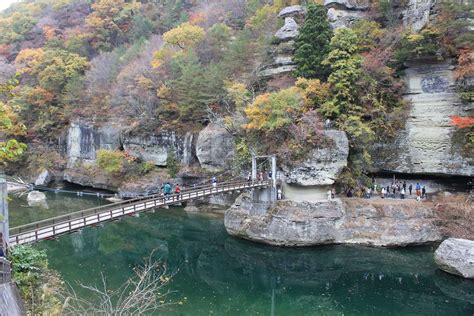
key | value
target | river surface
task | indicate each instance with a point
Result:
(216, 274)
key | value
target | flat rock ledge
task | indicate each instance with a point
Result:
(299, 224)
(456, 256)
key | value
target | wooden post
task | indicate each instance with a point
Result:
(4, 223)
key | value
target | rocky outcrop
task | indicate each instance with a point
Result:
(456, 256)
(416, 13)
(214, 147)
(155, 148)
(83, 141)
(280, 58)
(37, 198)
(44, 178)
(87, 176)
(295, 11)
(342, 13)
(288, 31)
(427, 144)
(324, 164)
(290, 223)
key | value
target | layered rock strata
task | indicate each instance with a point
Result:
(290, 223)
(427, 144)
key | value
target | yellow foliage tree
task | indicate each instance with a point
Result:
(184, 36)
(29, 59)
(271, 111)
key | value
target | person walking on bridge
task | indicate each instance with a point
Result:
(214, 182)
(167, 189)
(177, 191)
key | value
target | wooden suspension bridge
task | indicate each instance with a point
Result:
(53, 227)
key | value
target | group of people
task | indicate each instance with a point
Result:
(261, 175)
(167, 189)
(397, 190)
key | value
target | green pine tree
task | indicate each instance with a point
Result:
(312, 44)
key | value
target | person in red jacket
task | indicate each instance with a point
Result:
(177, 191)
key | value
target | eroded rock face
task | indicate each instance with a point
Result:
(288, 31)
(155, 148)
(214, 147)
(83, 141)
(342, 13)
(44, 178)
(417, 13)
(280, 58)
(324, 164)
(290, 223)
(456, 256)
(427, 144)
(292, 11)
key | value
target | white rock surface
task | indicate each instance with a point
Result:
(456, 256)
(426, 145)
(214, 147)
(83, 141)
(417, 13)
(294, 10)
(344, 18)
(288, 31)
(348, 4)
(37, 198)
(323, 165)
(44, 178)
(155, 148)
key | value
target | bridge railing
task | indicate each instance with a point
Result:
(5, 271)
(158, 199)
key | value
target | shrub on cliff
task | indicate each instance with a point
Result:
(112, 161)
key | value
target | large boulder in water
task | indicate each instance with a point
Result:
(37, 198)
(456, 256)
(290, 223)
(214, 147)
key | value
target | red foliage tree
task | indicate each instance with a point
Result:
(461, 121)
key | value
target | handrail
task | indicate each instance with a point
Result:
(128, 203)
(5, 271)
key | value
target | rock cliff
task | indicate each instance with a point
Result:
(290, 223)
(427, 145)
(324, 164)
(279, 64)
(214, 148)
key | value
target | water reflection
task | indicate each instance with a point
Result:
(221, 275)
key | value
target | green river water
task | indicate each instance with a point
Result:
(220, 275)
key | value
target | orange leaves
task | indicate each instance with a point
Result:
(461, 121)
(49, 32)
(465, 64)
(29, 57)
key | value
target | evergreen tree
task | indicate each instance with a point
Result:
(312, 44)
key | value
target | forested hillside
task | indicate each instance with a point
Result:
(155, 65)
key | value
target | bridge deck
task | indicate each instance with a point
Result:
(52, 227)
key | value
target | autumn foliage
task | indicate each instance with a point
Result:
(461, 121)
